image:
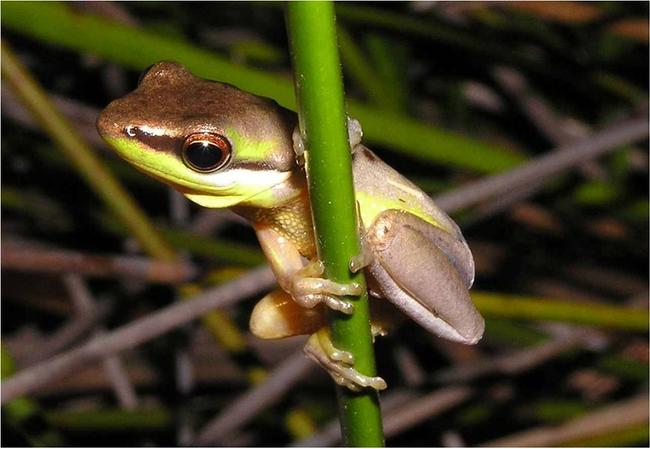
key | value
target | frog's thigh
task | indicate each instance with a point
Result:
(416, 266)
(278, 316)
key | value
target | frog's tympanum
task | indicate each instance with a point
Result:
(222, 147)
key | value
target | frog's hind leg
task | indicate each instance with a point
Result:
(277, 315)
(426, 272)
(299, 308)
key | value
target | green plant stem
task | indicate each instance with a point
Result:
(530, 308)
(89, 166)
(319, 89)
(57, 24)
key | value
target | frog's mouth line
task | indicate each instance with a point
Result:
(185, 187)
(192, 188)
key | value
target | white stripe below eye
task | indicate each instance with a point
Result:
(245, 177)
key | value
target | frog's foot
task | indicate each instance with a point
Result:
(298, 146)
(339, 364)
(309, 289)
(378, 330)
(355, 133)
(362, 260)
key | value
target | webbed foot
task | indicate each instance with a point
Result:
(355, 133)
(339, 364)
(309, 289)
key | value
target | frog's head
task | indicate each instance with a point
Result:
(214, 143)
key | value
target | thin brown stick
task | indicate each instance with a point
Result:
(556, 130)
(63, 337)
(554, 127)
(135, 333)
(607, 278)
(514, 362)
(415, 412)
(258, 398)
(83, 116)
(120, 381)
(545, 166)
(86, 315)
(63, 261)
(86, 304)
(401, 409)
(602, 422)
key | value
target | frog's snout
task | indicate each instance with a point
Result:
(106, 124)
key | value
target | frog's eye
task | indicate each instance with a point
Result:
(206, 152)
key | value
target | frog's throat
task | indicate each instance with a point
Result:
(214, 201)
(272, 194)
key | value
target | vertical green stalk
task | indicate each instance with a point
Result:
(319, 89)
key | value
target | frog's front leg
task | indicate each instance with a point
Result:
(303, 282)
(298, 309)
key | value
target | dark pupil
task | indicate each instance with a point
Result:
(203, 155)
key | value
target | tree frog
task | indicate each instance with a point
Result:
(223, 147)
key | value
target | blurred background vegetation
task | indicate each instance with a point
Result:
(447, 93)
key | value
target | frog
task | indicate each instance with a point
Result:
(222, 147)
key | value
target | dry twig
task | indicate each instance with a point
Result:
(545, 166)
(602, 422)
(136, 333)
(63, 261)
(258, 398)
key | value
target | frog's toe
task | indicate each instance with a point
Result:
(341, 305)
(298, 144)
(309, 291)
(362, 260)
(325, 286)
(355, 133)
(339, 364)
(312, 300)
